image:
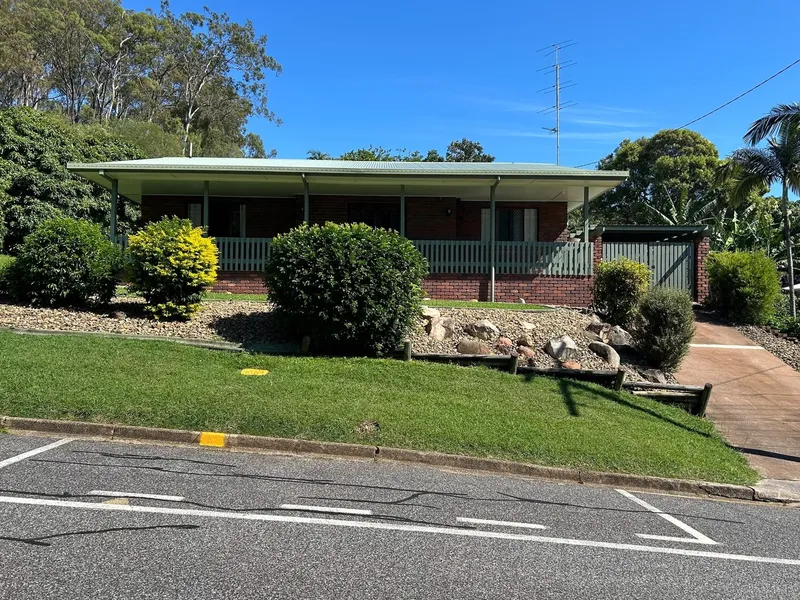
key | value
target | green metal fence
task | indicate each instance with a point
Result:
(672, 263)
(513, 258)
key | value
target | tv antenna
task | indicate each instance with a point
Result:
(555, 68)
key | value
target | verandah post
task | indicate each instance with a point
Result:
(403, 210)
(586, 214)
(205, 204)
(492, 239)
(113, 217)
(306, 203)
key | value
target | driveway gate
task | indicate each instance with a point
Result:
(672, 263)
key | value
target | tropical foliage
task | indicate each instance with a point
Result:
(462, 150)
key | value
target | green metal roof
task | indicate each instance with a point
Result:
(343, 167)
(651, 233)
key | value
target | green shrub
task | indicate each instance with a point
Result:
(782, 318)
(743, 286)
(664, 327)
(618, 288)
(65, 262)
(5, 271)
(352, 288)
(171, 264)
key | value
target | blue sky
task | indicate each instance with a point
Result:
(417, 75)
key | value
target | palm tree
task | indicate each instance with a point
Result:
(780, 116)
(778, 163)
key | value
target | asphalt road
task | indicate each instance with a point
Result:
(88, 519)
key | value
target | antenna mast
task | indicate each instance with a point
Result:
(556, 67)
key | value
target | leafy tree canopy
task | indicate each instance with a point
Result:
(463, 150)
(198, 76)
(672, 181)
(34, 182)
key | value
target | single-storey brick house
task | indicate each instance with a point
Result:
(490, 231)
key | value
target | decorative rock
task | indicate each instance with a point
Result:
(593, 337)
(366, 427)
(520, 300)
(430, 313)
(526, 352)
(571, 365)
(483, 329)
(653, 375)
(606, 352)
(619, 338)
(563, 348)
(526, 340)
(504, 346)
(440, 328)
(119, 315)
(598, 327)
(527, 326)
(469, 346)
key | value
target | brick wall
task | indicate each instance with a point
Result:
(156, 207)
(536, 289)
(239, 282)
(701, 249)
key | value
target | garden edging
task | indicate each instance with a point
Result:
(378, 453)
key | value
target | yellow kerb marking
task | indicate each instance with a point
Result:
(117, 501)
(253, 371)
(209, 438)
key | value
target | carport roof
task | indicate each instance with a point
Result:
(651, 233)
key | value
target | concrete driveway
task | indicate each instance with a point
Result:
(756, 398)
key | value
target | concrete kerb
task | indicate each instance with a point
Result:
(435, 459)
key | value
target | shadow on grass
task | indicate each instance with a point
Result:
(569, 387)
(262, 331)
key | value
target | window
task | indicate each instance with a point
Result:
(374, 214)
(511, 224)
(227, 219)
(195, 214)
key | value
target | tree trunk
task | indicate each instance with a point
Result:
(787, 234)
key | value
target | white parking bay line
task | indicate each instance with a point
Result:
(34, 452)
(499, 523)
(109, 494)
(327, 509)
(697, 537)
(472, 533)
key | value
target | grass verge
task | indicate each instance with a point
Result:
(424, 406)
(468, 304)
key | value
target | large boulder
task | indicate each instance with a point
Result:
(483, 330)
(606, 352)
(526, 353)
(526, 339)
(504, 346)
(619, 338)
(527, 326)
(653, 375)
(469, 346)
(429, 313)
(441, 328)
(562, 348)
(571, 365)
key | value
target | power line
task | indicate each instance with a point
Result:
(720, 107)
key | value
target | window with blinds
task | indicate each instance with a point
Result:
(511, 224)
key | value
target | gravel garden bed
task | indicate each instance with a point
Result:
(254, 322)
(787, 350)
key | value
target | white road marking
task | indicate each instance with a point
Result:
(499, 523)
(34, 452)
(326, 509)
(187, 512)
(108, 494)
(726, 346)
(697, 537)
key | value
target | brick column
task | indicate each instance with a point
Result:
(701, 249)
(598, 252)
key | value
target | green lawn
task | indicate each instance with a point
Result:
(468, 304)
(418, 405)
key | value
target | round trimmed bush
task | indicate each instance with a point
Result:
(5, 273)
(65, 262)
(664, 327)
(619, 287)
(352, 288)
(171, 264)
(743, 286)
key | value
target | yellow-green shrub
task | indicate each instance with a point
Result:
(619, 287)
(171, 264)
